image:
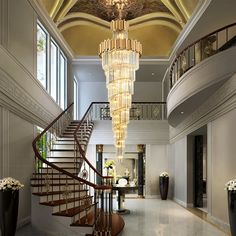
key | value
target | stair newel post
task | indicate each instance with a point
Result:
(52, 184)
(107, 210)
(74, 183)
(47, 183)
(111, 210)
(59, 190)
(95, 206)
(102, 206)
(66, 195)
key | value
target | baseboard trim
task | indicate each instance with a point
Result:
(211, 219)
(23, 222)
(219, 223)
(184, 204)
(152, 196)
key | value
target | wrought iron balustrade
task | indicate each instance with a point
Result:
(138, 111)
(201, 49)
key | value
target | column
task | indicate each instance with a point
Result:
(99, 156)
(141, 150)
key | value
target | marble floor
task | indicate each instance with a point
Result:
(153, 217)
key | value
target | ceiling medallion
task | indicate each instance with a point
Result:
(120, 60)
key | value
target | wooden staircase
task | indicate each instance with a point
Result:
(65, 181)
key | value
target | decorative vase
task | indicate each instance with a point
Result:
(163, 185)
(9, 201)
(232, 211)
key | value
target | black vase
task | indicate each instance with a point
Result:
(9, 201)
(163, 184)
(232, 211)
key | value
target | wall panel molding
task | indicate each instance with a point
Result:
(5, 143)
(221, 102)
(4, 10)
(22, 94)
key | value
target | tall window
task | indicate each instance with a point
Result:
(42, 56)
(51, 66)
(54, 74)
(76, 110)
(62, 81)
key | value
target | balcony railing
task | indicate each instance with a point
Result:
(138, 111)
(201, 49)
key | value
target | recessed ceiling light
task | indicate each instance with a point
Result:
(182, 112)
(153, 73)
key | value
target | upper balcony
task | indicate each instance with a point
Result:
(199, 70)
(148, 124)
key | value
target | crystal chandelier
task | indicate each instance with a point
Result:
(120, 59)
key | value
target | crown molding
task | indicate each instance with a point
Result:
(17, 99)
(95, 60)
(200, 9)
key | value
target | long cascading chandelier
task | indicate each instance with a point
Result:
(120, 60)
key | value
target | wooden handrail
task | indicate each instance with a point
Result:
(79, 125)
(52, 123)
(93, 103)
(37, 154)
(81, 150)
(197, 41)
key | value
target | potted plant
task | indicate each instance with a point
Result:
(9, 201)
(109, 164)
(163, 185)
(231, 189)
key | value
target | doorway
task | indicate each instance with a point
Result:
(200, 172)
(197, 169)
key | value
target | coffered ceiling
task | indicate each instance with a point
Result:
(155, 23)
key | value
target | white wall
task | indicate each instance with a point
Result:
(91, 92)
(23, 101)
(147, 92)
(97, 92)
(16, 156)
(221, 163)
(156, 162)
(179, 156)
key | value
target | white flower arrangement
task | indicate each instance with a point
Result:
(164, 174)
(9, 183)
(231, 185)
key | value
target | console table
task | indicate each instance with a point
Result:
(121, 197)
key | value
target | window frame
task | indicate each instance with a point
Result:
(59, 53)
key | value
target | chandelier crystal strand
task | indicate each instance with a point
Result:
(120, 60)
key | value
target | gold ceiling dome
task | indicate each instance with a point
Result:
(79, 20)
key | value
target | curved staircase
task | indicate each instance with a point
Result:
(75, 199)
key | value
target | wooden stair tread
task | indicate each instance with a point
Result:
(55, 170)
(117, 224)
(73, 211)
(62, 150)
(51, 184)
(57, 192)
(66, 162)
(57, 173)
(86, 221)
(60, 202)
(64, 178)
